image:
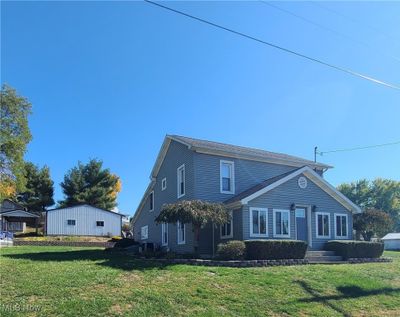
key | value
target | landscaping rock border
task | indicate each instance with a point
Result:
(64, 243)
(368, 260)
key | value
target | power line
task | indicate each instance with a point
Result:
(358, 148)
(339, 68)
(354, 20)
(268, 3)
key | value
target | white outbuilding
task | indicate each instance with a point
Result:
(83, 220)
(392, 241)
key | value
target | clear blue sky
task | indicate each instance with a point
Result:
(109, 80)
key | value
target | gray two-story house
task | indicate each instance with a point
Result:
(270, 196)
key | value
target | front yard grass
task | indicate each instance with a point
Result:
(66, 281)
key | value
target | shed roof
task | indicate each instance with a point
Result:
(392, 236)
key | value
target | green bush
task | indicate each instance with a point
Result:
(355, 249)
(275, 249)
(231, 250)
(124, 243)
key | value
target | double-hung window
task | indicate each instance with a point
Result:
(281, 222)
(181, 181)
(323, 223)
(164, 234)
(258, 222)
(151, 199)
(227, 177)
(341, 226)
(227, 229)
(144, 232)
(181, 232)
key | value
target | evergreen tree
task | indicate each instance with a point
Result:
(90, 184)
(39, 188)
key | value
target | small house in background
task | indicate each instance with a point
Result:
(392, 241)
(13, 217)
(83, 220)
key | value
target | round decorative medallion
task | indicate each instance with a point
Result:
(302, 182)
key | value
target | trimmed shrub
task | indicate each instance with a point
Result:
(355, 249)
(231, 250)
(124, 243)
(275, 249)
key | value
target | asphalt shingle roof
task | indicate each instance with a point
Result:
(244, 151)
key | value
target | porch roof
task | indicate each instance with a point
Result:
(18, 213)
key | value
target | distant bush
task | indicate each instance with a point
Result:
(231, 250)
(124, 243)
(275, 249)
(355, 249)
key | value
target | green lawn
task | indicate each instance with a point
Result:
(63, 281)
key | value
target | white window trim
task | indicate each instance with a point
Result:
(151, 202)
(141, 231)
(316, 225)
(258, 235)
(347, 225)
(164, 228)
(164, 184)
(177, 234)
(104, 223)
(232, 164)
(229, 236)
(274, 211)
(178, 182)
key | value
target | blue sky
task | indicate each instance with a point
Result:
(108, 80)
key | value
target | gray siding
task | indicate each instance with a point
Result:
(286, 194)
(247, 174)
(177, 155)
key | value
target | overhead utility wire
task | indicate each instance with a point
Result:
(354, 20)
(344, 70)
(359, 148)
(268, 3)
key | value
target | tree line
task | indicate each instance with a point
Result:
(31, 185)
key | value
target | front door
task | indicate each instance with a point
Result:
(301, 223)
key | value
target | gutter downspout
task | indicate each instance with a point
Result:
(213, 239)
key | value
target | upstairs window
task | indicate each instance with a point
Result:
(227, 177)
(282, 223)
(341, 226)
(71, 222)
(227, 229)
(99, 223)
(181, 181)
(323, 224)
(151, 201)
(164, 184)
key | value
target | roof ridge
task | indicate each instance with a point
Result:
(284, 156)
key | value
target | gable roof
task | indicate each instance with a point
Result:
(392, 236)
(83, 204)
(15, 204)
(223, 149)
(18, 213)
(269, 184)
